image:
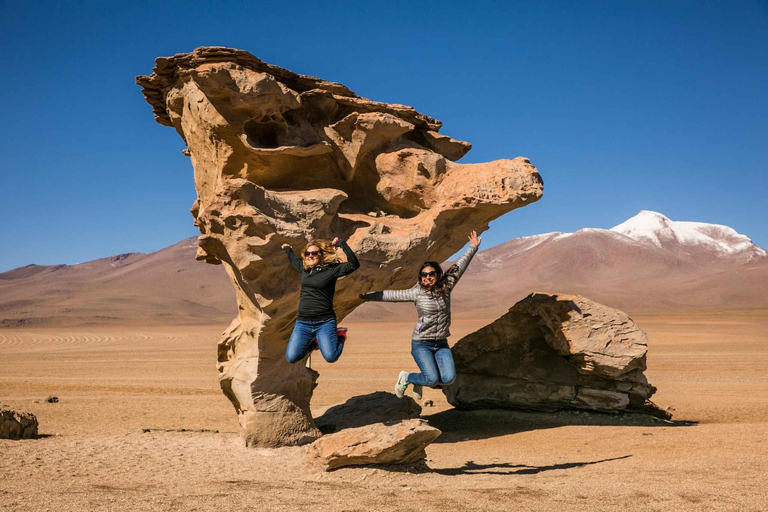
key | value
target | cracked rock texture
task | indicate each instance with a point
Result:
(279, 158)
(554, 352)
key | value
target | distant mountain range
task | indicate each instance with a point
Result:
(647, 264)
(165, 287)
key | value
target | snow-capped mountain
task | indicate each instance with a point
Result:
(648, 263)
(648, 236)
(722, 241)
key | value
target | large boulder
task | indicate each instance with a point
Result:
(281, 158)
(17, 424)
(400, 442)
(554, 352)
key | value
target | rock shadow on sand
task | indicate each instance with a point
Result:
(462, 425)
(362, 410)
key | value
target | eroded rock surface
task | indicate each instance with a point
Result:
(358, 411)
(399, 442)
(554, 352)
(280, 158)
(17, 424)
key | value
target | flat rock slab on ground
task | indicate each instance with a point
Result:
(402, 442)
(361, 410)
(17, 424)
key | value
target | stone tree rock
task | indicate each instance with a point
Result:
(279, 158)
(17, 424)
(554, 352)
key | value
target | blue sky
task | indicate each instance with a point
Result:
(622, 106)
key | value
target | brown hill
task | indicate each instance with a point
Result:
(165, 287)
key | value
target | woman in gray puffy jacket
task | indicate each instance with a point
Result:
(429, 342)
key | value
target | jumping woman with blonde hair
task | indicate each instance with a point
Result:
(316, 320)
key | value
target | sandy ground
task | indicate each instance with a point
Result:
(114, 382)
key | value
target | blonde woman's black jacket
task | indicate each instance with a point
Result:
(318, 284)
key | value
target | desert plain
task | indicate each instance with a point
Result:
(141, 424)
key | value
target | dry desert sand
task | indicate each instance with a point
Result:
(142, 425)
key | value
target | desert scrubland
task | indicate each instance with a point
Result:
(141, 424)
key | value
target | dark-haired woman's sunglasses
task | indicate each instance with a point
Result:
(428, 274)
(312, 253)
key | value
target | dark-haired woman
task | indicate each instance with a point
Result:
(429, 345)
(316, 320)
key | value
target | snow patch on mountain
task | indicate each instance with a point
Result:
(522, 245)
(535, 240)
(663, 232)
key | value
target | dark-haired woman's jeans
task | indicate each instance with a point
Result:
(305, 332)
(435, 362)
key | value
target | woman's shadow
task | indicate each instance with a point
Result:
(461, 425)
(495, 468)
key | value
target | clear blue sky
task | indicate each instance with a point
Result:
(622, 105)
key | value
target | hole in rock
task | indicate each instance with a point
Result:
(290, 118)
(263, 134)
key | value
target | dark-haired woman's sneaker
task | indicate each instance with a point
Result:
(418, 391)
(401, 385)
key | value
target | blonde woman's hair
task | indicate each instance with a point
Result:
(327, 251)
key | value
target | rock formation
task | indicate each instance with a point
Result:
(17, 424)
(399, 442)
(279, 158)
(554, 352)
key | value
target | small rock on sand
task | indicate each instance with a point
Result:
(17, 424)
